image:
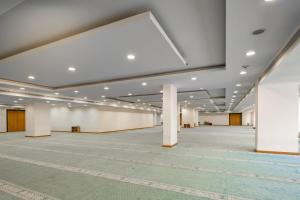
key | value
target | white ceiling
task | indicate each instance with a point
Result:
(199, 29)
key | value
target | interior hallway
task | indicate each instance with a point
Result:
(209, 163)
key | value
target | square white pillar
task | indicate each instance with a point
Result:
(277, 118)
(38, 120)
(169, 115)
(178, 118)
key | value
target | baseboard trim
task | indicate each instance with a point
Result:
(104, 132)
(278, 152)
(169, 145)
(38, 136)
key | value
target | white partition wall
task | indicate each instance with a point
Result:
(169, 115)
(215, 119)
(100, 119)
(277, 118)
(38, 120)
(2, 120)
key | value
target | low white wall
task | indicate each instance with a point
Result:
(100, 119)
(2, 120)
(215, 119)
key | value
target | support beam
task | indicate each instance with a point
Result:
(277, 118)
(169, 116)
(38, 120)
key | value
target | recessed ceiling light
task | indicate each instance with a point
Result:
(103, 96)
(238, 85)
(130, 56)
(20, 99)
(201, 88)
(72, 69)
(194, 78)
(269, 0)
(144, 84)
(233, 96)
(106, 88)
(76, 91)
(84, 97)
(129, 94)
(15, 101)
(138, 100)
(22, 88)
(56, 93)
(250, 53)
(235, 92)
(161, 91)
(31, 77)
(47, 101)
(191, 97)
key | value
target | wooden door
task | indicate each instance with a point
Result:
(15, 120)
(235, 119)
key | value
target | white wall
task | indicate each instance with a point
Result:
(2, 120)
(215, 119)
(190, 116)
(248, 117)
(299, 117)
(101, 119)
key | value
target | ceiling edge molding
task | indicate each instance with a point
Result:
(139, 77)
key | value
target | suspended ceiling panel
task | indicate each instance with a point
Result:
(99, 54)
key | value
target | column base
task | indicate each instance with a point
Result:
(278, 152)
(169, 145)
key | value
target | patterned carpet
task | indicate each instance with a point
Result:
(208, 163)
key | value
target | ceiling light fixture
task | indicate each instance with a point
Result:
(47, 101)
(250, 53)
(106, 88)
(22, 88)
(138, 100)
(130, 56)
(56, 93)
(31, 77)
(235, 92)
(161, 91)
(194, 78)
(103, 96)
(244, 70)
(72, 69)
(144, 84)
(15, 101)
(191, 97)
(129, 94)
(76, 91)
(20, 99)
(238, 85)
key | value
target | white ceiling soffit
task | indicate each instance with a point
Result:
(96, 57)
(287, 69)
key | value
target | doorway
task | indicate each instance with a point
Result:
(235, 119)
(15, 120)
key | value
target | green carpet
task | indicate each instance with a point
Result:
(208, 163)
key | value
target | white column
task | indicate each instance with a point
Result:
(38, 120)
(188, 116)
(196, 117)
(277, 118)
(178, 117)
(169, 115)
